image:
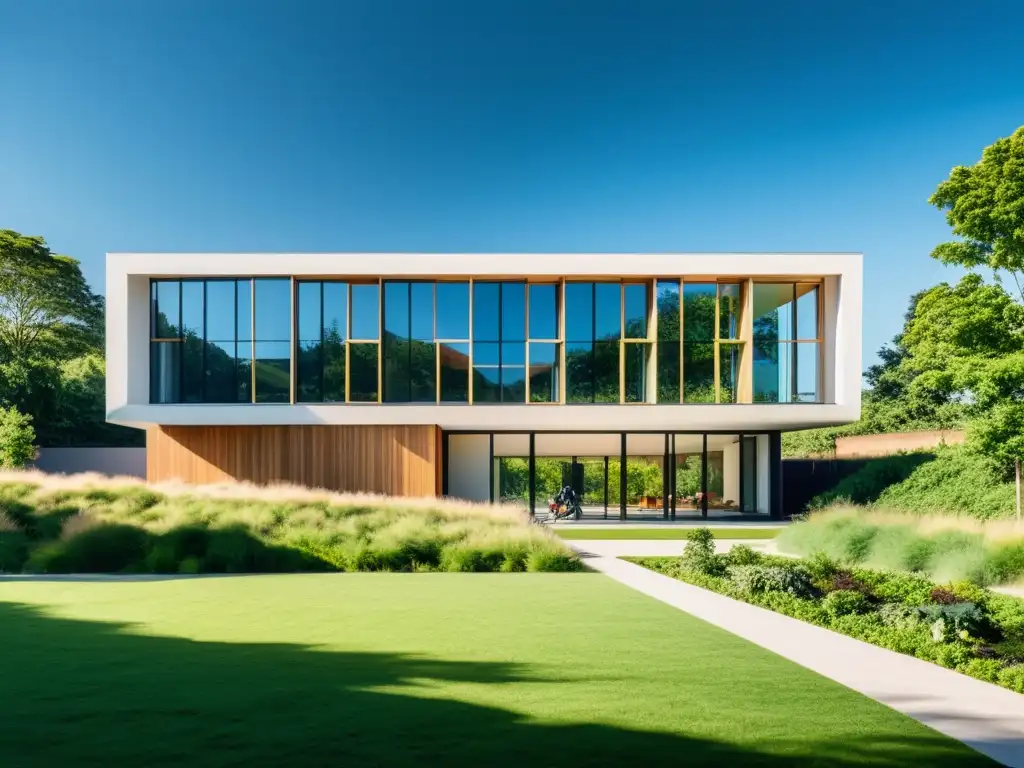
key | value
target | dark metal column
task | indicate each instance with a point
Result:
(704, 477)
(605, 487)
(775, 475)
(490, 466)
(672, 477)
(622, 477)
(665, 480)
(532, 474)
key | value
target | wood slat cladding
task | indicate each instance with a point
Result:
(394, 460)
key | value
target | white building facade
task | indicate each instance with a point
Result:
(656, 384)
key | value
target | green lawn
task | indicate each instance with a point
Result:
(592, 534)
(413, 669)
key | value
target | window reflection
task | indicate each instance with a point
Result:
(543, 372)
(272, 345)
(365, 324)
(669, 315)
(728, 310)
(499, 349)
(452, 311)
(635, 308)
(543, 311)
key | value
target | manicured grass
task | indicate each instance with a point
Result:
(594, 534)
(413, 669)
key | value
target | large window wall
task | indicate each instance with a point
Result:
(662, 340)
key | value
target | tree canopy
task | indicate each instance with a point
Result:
(984, 205)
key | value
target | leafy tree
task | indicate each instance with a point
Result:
(17, 439)
(984, 205)
(47, 310)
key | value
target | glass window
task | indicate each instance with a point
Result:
(165, 372)
(273, 309)
(421, 311)
(772, 372)
(668, 372)
(333, 356)
(486, 382)
(309, 372)
(454, 371)
(272, 371)
(728, 311)
(243, 306)
(606, 371)
(636, 310)
(579, 311)
(166, 323)
(221, 373)
(543, 311)
(192, 368)
(452, 310)
(773, 311)
(728, 372)
(220, 311)
(807, 312)
(192, 309)
(308, 316)
(513, 383)
(243, 371)
(485, 312)
(543, 371)
(513, 311)
(396, 373)
(272, 345)
(748, 474)
(363, 370)
(699, 311)
(699, 372)
(668, 310)
(806, 373)
(365, 323)
(636, 357)
(396, 311)
(607, 311)
(335, 310)
(579, 371)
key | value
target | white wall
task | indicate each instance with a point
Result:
(731, 472)
(469, 467)
(127, 333)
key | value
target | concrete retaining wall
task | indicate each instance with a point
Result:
(106, 461)
(861, 446)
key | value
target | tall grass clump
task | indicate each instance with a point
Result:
(945, 548)
(91, 524)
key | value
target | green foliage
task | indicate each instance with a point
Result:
(984, 205)
(17, 439)
(134, 529)
(961, 620)
(843, 602)
(755, 579)
(699, 555)
(871, 480)
(742, 554)
(47, 310)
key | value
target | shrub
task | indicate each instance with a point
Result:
(1012, 677)
(962, 620)
(756, 579)
(17, 439)
(13, 550)
(871, 480)
(545, 560)
(898, 615)
(102, 548)
(742, 554)
(943, 596)
(910, 589)
(699, 555)
(844, 602)
(845, 581)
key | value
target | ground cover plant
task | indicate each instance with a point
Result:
(958, 625)
(942, 547)
(435, 669)
(89, 524)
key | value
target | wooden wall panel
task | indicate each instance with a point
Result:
(394, 460)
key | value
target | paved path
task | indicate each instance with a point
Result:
(984, 716)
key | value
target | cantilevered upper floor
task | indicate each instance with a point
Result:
(485, 341)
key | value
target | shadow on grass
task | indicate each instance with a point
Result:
(90, 693)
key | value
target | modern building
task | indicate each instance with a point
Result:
(657, 384)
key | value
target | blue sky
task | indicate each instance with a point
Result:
(444, 125)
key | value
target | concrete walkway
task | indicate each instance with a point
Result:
(984, 716)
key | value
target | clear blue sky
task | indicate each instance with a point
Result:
(436, 125)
